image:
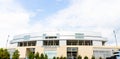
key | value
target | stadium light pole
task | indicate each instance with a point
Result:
(7, 41)
(115, 37)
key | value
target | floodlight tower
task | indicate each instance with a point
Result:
(7, 41)
(115, 37)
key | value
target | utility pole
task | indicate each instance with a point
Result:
(7, 41)
(115, 37)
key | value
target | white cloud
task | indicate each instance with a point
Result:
(92, 15)
(87, 15)
(13, 20)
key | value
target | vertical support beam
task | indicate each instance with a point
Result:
(78, 42)
(84, 42)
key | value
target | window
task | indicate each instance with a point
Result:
(26, 37)
(50, 53)
(72, 52)
(33, 43)
(50, 42)
(102, 53)
(50, 37)
(72, 49)
(21, 44)
(79, 35)
(27, 43)
(103, 43)
(72, 42)
(79, 42)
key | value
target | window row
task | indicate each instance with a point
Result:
(79, 42)
(56, 42)
(27, 43)
(51, 42)
(69, 42)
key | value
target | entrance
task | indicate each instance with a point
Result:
(72, 52)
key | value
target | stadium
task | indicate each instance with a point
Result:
(68, 44)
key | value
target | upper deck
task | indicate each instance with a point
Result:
(58, 36)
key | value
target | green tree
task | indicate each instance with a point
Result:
(58, 58)
(37, 56)
(93, 57)
(31, 55)
(79, 57)
(64, 58)
(1, 52)
(46, 57)
(54, 57)
(16, 55)
(100, 58)
(4, 54)
(61, 57)
(42, 56)
(85, 57)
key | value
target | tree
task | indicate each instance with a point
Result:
(31, 55)
(79, 57)
(64, 58)
(58, 58)
(93, 57)
(61, 57)
(46, 57)
(37, 56)
(100, 58)
(54, 57)
(42, 56)
(1, 52)
(85, 57)
(16, 55)
(4, 54)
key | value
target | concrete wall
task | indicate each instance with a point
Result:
(62, 50)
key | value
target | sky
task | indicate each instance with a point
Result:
(28, 16)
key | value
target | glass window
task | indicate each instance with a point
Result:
(50, 37)
(79, 35)
(27, 43)
(33, 43)
(50, 54)
(72, 42)
(72, 52)
(20, 44)
(72, 49)
(79, 42)
(50, 42)
(102, 53)
(26, 37)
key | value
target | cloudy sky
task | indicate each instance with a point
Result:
(27, 16)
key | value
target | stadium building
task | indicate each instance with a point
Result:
(67, 44)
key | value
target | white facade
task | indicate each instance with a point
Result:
(62, 43)
(62, 36)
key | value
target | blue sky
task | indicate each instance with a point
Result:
(43, 8)
(28, 16)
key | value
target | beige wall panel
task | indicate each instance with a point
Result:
(22, 51)
(39, 49)
(62, 51)
(85, 51)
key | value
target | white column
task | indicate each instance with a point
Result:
(39, 43)
(62, 42)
